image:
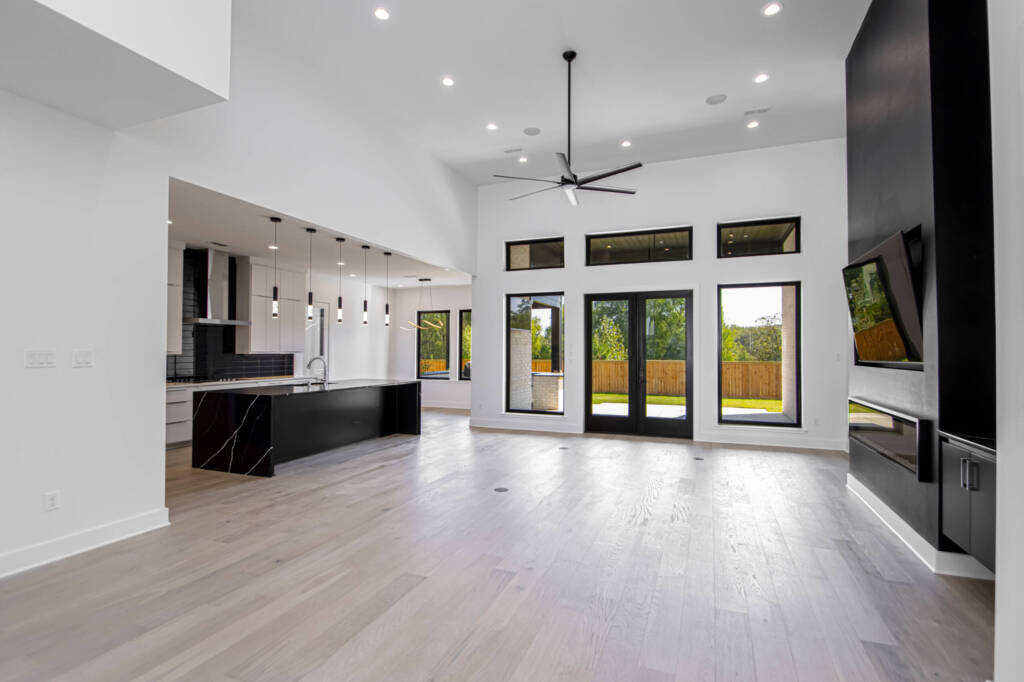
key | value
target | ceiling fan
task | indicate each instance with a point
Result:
(569, 182)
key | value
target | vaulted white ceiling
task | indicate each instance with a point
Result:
(644, 71)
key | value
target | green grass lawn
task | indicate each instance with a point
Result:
(750, 403)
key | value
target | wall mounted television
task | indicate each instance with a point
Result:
(883, 306)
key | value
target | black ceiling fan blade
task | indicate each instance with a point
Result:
(530, 194)
(616, 190)
(608, 174)
(563, 163)
(519, 177)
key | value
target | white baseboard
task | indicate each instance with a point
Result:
(536, 423)
(24, 558)
(447, 404)
(945, 563)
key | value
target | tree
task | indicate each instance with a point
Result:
(666, 328)
(541, 340)
(467, 335)
(607, 341)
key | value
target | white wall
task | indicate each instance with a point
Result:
(86, 241)
(404, 305)
(808, 180)
(1006, 36)
(189, 37)
(85, 268)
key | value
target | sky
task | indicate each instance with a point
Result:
(742, 307)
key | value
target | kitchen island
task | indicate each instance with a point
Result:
(250, 430)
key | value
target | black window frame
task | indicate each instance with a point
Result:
(530, 242)
(633, 233)
(799, 357)
(462, 314)
(447, 343)
(508, 359)
(755, 223)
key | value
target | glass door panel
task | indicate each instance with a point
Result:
(609, 358)
(665, 360)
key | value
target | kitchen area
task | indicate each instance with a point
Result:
(278, 335)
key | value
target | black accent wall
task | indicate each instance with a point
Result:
(208, 353)
(919, 154)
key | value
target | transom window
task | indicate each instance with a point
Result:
(535, 254)
(644, 246)
(759, 237)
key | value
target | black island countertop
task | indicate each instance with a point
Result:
(312, 387)
(248, 430)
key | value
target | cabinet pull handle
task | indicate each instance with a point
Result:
(963, 472)
(972, 481)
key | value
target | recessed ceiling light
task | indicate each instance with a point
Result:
(715, 100)
(753, 124)
(523, 159)
(447, 81)
(352, 275)
(626, 143)
(761, 78)
(492, 126)
(340, 263)
(170, 222)
(272, 247)
(382, 14)
(771, 9)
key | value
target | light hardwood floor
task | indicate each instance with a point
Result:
(607, 559)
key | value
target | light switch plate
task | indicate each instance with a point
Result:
(81, 357)
(40, 359)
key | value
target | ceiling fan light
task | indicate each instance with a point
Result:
(570, 194)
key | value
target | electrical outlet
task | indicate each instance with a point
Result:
(81, 358)
(40, 359)
(51, 500)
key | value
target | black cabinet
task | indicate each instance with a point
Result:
(969, 498)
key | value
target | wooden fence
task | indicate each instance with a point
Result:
(762, 380)
(668, 377)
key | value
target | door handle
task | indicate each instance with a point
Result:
(964, 472)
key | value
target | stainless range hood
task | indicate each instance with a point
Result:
(217, 293)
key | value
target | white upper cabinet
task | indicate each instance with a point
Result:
(176, 264)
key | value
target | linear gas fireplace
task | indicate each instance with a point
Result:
(902, 438)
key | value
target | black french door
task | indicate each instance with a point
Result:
(639, 355)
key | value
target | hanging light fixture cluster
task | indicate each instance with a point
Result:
(309, 294)
(430, 293)
(341, 309)
(275, 305)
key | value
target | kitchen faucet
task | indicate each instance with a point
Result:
(324, 362)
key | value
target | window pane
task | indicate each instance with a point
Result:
(536, 326)
(609, 357)
(758, 238)
(465, 342)
(638, 247)
(760, 354)
(432, 343)
(665, 350)
(545, 253)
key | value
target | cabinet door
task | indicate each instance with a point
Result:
(175, 266)
(262, 280)
(956, 500)
(294, 285)
(174, 312)
(983, 511)
(296, 328)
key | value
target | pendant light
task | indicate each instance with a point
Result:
(425, 281)
(309, 294)
(341, 313)
(366, 313)
(387, 290)
(275, 304)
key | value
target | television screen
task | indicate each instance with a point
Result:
(878, 333)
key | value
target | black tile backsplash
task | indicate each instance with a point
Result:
(207, 353)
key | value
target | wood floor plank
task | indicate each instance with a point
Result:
(609, 558)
